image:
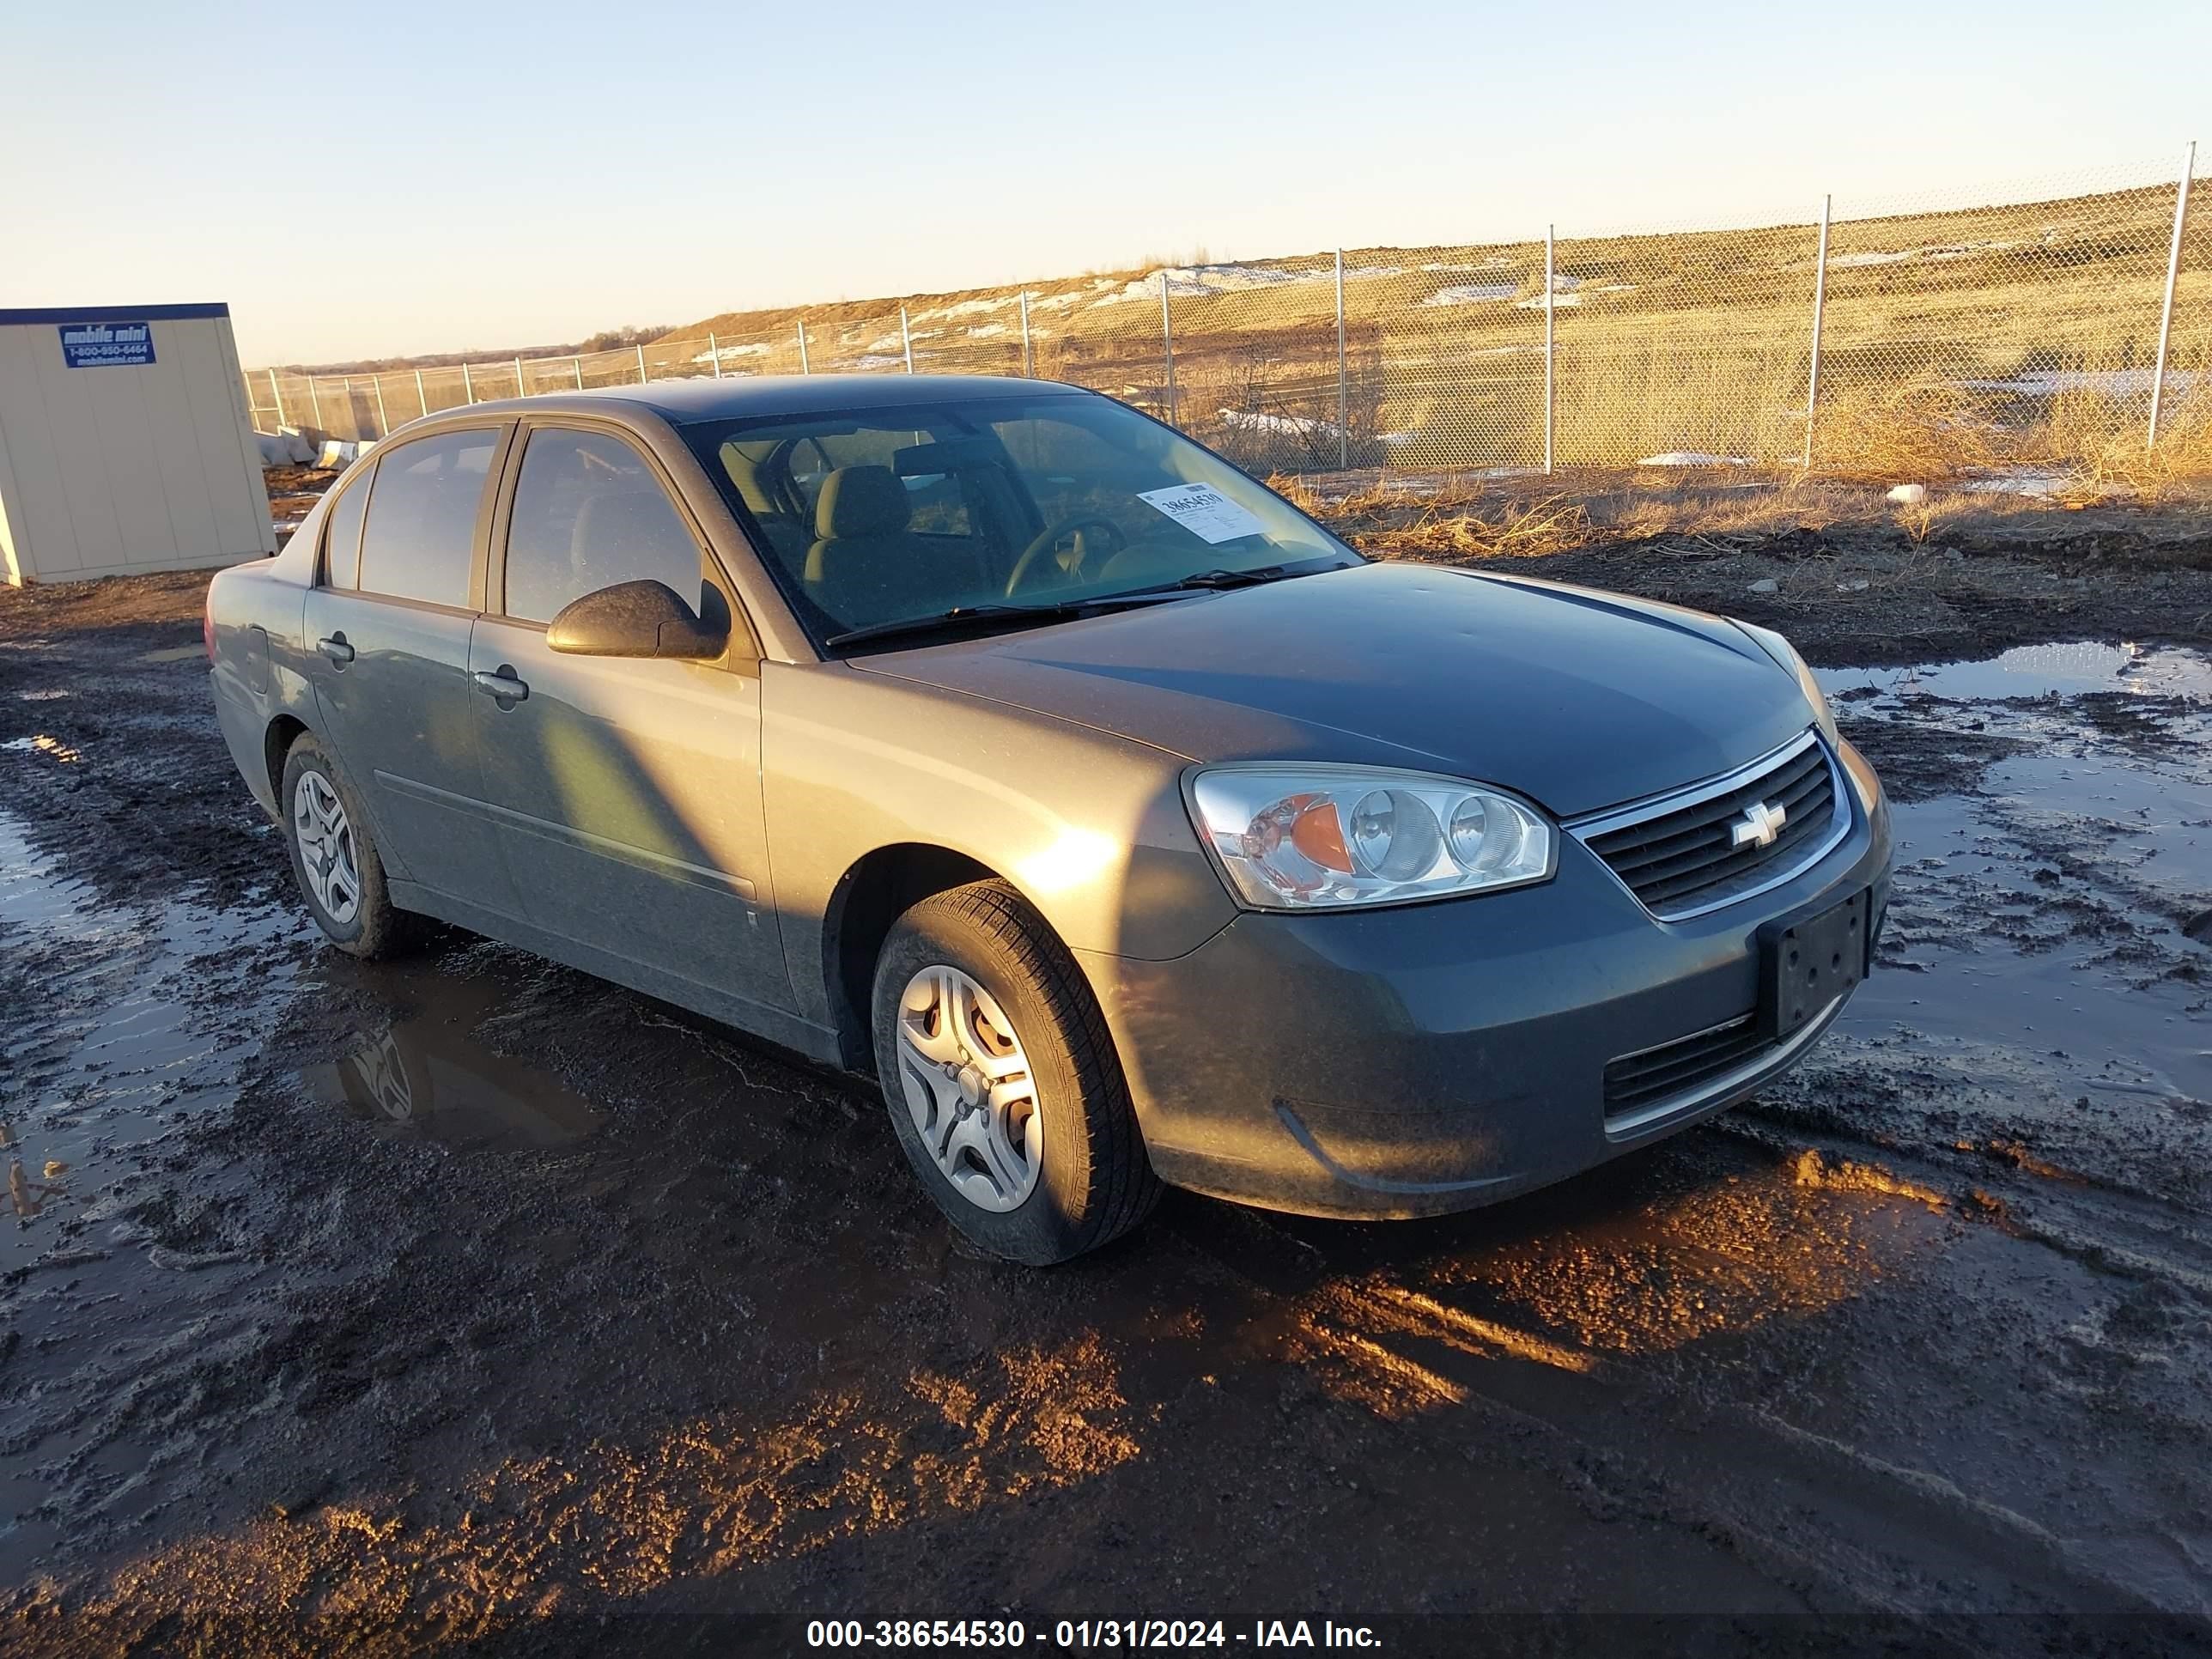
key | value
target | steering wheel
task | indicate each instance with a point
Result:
(1052, 536)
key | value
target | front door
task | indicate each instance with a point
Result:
(628, 791)
(388, 628)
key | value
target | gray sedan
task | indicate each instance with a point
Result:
(993, 737)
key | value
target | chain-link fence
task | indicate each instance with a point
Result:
(2048, 325)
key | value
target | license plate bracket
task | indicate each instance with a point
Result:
(1806, 964)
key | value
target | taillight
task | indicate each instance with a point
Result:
(207, 625)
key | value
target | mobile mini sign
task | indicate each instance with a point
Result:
(106, 345)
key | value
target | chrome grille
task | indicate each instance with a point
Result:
(1682, 855)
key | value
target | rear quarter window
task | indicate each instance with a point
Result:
(341, 532)
(420, 531)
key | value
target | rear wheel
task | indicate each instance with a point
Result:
(334, 856)
(1002, 1081)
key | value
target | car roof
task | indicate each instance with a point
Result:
(682, 402)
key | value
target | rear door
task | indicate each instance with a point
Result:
(388, 625)
(628, 791)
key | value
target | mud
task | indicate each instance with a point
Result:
(1873, 593)
(469, 1300)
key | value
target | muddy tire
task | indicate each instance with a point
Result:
(1002, 1080)
(334, 856)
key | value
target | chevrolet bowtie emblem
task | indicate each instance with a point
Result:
(1759, 826)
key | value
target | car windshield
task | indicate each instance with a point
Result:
(879, 517)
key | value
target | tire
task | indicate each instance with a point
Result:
(370, 927)
(1090, 1179)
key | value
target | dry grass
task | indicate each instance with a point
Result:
(2108, 466)
(1922, 431)
(1692, 514)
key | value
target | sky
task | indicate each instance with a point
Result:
(400, 177)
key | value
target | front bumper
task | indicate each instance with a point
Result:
(1430, 1058)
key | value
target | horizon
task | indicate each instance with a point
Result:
(464, 220)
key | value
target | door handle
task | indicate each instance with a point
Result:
(336, 649)
(502, 685)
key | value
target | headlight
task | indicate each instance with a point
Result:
(1311, 837)
(1786, 655)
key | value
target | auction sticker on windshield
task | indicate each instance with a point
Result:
(1204, 511)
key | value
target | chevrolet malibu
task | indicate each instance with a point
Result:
(993, 737)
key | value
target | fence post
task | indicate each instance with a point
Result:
(1551, 368)
(1820, 311)
(2172, 271)
(1343, 432)
(521, 387)
(278, 392)
(714, 350)
(577, 363)
(383, 420)
(1029, 353)
(421, 398)
(1167, 344)
(468, 382)
(805, 368)
(905, 339)
(642, 377)
(315, 402)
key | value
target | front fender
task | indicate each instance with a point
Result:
(1089, 827)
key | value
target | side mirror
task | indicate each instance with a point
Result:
(635, 619)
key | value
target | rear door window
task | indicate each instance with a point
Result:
(421, 533)
(590, 512)
(342, 532)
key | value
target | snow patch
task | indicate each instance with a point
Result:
(1469, 293)
(1199, 280)
(2019, 482)
(1692, 458)
(2113, 382)
(1897, 255)
(1563, 294)
(726, 352)
(1249, 420)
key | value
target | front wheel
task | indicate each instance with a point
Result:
(1002, 1080)
(334, 856)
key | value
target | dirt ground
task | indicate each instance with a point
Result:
(471, 1301)
(292, 491)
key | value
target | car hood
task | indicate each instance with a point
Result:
(1577, 698)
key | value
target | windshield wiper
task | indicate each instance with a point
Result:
(963, 616)
(1213, 580)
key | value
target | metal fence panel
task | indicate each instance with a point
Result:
(1923, 335)
(1447, 344)
(1255, 360)
(2022, 332)
(1683, 350)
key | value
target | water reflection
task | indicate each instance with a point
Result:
(427, 1076)
(2041, 671)
(52, 747)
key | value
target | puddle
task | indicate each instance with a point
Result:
(1997, 948)
(2040, 671)
(426, 1076)
(134, 1034)
(2046, 881)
